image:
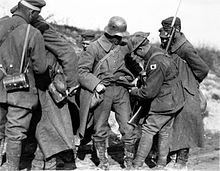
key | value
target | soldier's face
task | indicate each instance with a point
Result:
(34, 15)
(142, 50)
(116, 40)
(164, 37)
(163, 42)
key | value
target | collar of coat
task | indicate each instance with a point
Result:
(178, 42)
(20, 18)
(105, 43)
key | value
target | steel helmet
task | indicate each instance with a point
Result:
(137, 39)
(117, 26)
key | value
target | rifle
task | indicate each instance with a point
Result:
(136, 117)
(173, 29)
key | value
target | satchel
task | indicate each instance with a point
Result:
(203, 101)
(96, 100)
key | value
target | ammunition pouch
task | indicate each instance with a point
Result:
(15, 82)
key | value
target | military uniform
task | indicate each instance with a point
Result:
(116, 96)
(110, 71)
(54, 131)
(164, 91)
(20, 103)
(188, 129)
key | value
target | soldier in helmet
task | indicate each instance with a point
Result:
(111, 81)
(162, 91)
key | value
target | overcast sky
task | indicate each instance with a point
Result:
(200, 18)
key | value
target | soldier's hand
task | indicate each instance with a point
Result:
(100, 88)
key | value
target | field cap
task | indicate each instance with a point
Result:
(166, 23)
(33, 4)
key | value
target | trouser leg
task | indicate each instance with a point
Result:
(18, 120)
(143, 149)
(38, 162)
(101, 128)
(152, 125)
(163, 142)
(3, 112)
(13, 150)
(122, 108)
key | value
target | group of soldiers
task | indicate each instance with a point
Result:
(44, 82)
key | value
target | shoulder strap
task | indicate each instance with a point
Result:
(103, 59)
(24, 48)
(153, 55)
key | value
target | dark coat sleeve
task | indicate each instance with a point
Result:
(65, 53)
(153, 82)
(199, 68)
(38, 53)
(86, 64)
(132, 65)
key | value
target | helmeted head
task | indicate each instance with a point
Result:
(138, 43)
(137, 39)
(117, 26)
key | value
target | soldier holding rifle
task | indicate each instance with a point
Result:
(188, 130)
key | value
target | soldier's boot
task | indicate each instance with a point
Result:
(163, 150)
(101, 150)
(2, 150)
(13, 150)
(182, 159)
(38, 162)
(143, 150)
(50, 164)
(172, 161)
(129, 156)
